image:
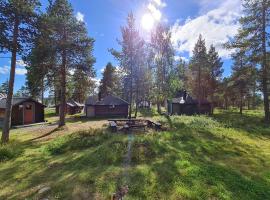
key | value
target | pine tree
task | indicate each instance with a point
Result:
(39, 60)
(82, 84)
(254, 37)
(215, 73)
(72, 47)
(241, 78)
(22, 92)
(18, 19)
(130, 56)
(4, 87)
(177, 78)
(108, 82)
(199, 67)
(163, 60)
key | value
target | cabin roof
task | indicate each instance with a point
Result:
(17, 101)
(91, 100)
(108, 100)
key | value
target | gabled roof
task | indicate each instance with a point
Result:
(91, 101)
(17, 101)
(189, 100)
(112, 100)
(106, 101)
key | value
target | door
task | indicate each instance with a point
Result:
(29, 113)
(90, 112)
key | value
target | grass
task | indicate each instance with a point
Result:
(225, 156)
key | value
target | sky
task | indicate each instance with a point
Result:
(216, 20)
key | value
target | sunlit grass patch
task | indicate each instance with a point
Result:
(197, 157)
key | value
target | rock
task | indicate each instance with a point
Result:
(44, 190)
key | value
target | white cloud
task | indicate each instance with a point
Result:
(80, 17)
(20, 63)
(4, 70)
(21, 71)
(156, 13)
(160, 3)
(154, 7)
(102, 70)
(216, 26)
(20, 68)
(96, 81)
(178, 58)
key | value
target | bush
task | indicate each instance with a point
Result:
(9, 151)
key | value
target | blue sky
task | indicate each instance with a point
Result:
(216, 20)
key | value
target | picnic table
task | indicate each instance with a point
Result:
(133, 124)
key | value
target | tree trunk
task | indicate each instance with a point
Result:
(7, 120)
(130, 95)
(212, 104)
(158, 107)
(265, 68)
(63, 90)
(42, 91)
(137, 100)
(199, 88)
(241, 104)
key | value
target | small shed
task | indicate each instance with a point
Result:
(109, 106)
(25, 110)
(184, 104)
(72, 107)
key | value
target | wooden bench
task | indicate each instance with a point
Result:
(113, 126)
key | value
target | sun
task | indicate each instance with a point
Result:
(147, 22)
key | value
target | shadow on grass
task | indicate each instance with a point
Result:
(45, 135)
(187, 162)
(253, 124)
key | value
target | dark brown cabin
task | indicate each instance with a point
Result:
(109, 106)
(72, 107)
(25, 110)
(184, 104)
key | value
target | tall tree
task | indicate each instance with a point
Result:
(199, 67)
(254, 37)
(82, 84)
(243, 76)
(163, 60)
(130, 55)
(39, 60)
(17, 18)
(71, 45)
(108, 82)
(215, 73)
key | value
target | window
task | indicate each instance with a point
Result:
(112, 106)
(28, 107)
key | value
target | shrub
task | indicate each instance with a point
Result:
(9, 151)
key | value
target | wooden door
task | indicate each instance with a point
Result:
(28, 113)
(90, 111)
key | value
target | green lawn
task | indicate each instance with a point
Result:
(226, 156)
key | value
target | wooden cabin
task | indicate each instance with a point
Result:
(184, 104)
(25, 110)
(109, 106)
(72, 107)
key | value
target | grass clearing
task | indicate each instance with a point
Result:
(226, 156)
